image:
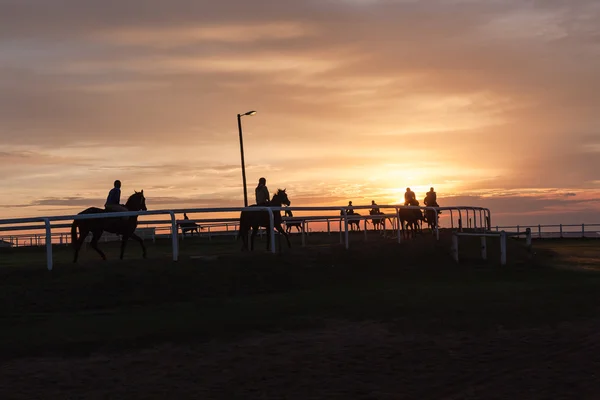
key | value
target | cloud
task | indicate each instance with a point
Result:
(466, 95)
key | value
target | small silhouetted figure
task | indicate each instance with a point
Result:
(113, 201)
(409, 197)
(262, 193)
(349, 211)
(375, 209)
(185, 216)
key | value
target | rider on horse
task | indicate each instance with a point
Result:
(262, 193)
(409, 197)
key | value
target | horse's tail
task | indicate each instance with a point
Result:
(74, 233)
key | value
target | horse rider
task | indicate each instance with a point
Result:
(409, 197)
(113, 201)
(431, 199)
(262, 193)
(349, 211)
(375, 209)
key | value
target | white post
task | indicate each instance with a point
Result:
(303, 230)
(208, 231)
(174, 236)
(561, 233)
(328, 228)
(518, 229)
(455, 247)
(437, 225)
(341, 238)
(346, 230)
(582, 230)
(539, 231)
(451, 220)
(483, 248)
(460, 225)
(528, 241)
(48, 244)
(398, 220)
(503, 248)
(272, 229)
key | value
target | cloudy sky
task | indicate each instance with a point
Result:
(493, 102)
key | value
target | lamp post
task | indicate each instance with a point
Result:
(239, 120)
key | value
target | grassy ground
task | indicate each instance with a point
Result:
(378, 321)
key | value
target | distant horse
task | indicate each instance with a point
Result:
(189, 226)
(352, 222)
(124, 226)
(411, 219)
(256, 219)
(377, 221)
(431, 218)
(290, 224)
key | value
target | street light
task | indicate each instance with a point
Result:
(239, 119)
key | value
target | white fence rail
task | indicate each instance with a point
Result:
(21, 224)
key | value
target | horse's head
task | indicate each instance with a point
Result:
(280, 198)
(136, 202)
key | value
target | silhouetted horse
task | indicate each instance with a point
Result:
(431, 218)
(189, 226)
(352, 222)
(410, 218)
(256, 219)
(124, 226)
(377, 221)
(290, 224)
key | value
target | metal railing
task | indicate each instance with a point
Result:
(16, 224)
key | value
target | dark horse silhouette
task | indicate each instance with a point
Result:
(352, 223)
(256, 219)
(431, 218)
(410, 217)
(189, 226)
(377, 221)
(290, 224)
(124, 226)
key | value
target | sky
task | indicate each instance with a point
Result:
(494, 103)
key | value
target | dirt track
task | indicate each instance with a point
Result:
(342, 360)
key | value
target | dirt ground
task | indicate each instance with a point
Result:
(367, 360)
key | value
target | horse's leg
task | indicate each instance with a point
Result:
(94, 243)
(141, 241)
(269, 233)
(280, 230)
(124, 240)
(79, 242)
(254, 230)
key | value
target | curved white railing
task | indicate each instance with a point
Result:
(20, 223)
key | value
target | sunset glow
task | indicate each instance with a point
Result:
(491, 103)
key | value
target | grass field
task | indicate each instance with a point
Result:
(381, 320)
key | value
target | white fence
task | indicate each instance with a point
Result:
(22, 224)
(557, 230)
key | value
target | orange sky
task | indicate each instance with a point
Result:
(492, 102)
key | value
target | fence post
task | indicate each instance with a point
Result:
(539, 231)
(48, 244)
(272, 229)
(365, 226)
(174, 236)
(340, 229)
(483, 248)
(303, 233)
(503, 248)
(582, 230)
(455, 247)
(528, 241)
(328, 228)
(399, 231)
(347, 243)
(518, 229)
(437, 225)
(451, 220)
(561, 232)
